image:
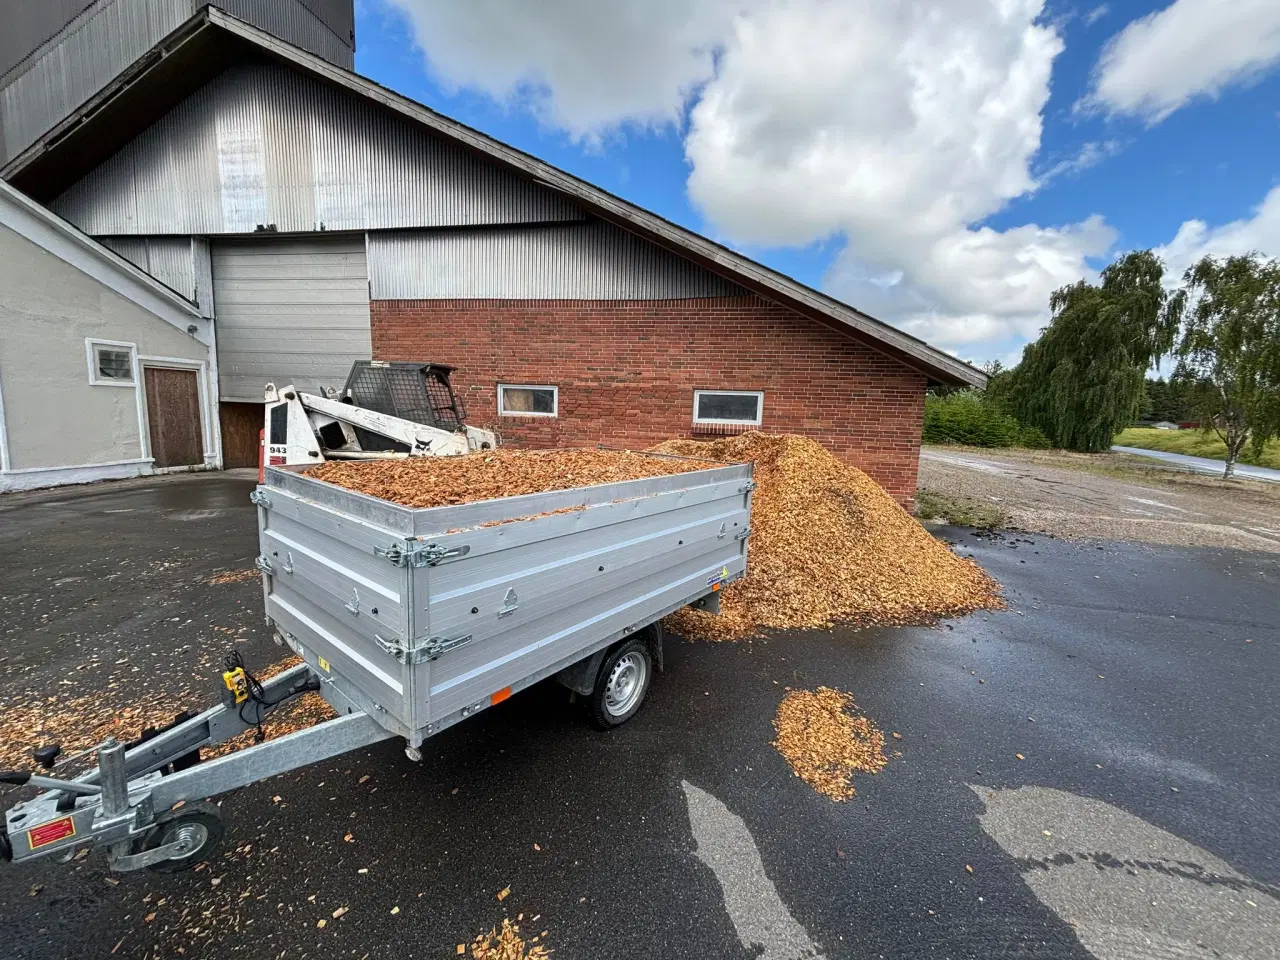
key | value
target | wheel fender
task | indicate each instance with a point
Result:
(653, 637)
(581, 677)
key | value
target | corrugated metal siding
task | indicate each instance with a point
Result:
(168, 259)
(289, 311)
(202, 261)
(262, 144)
(29, 23)
(98, 44)
(301, 22)
(586, 261)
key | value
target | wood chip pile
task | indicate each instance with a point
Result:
(828, 546)
(506, 472)
(825, 742)
(505, 944)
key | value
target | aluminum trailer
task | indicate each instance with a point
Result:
(409, 621)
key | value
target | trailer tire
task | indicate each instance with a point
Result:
(202, 821)
(622, 683)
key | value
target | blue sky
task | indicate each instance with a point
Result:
(943, 165)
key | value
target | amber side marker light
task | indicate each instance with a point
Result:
(500, 696)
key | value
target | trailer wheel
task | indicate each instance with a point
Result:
(199, 824)
(621, 684)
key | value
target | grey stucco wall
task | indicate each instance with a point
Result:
(53, 416)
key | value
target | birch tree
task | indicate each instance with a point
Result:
(1229, 350)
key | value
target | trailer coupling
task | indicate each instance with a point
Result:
(145, 800)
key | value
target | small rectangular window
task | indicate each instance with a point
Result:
(111, 364)
(728, 406)
(523, 400)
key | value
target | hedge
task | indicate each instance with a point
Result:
(969, 418)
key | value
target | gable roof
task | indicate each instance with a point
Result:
(213, 40)
(45, 229)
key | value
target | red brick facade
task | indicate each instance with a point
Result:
(626, 372)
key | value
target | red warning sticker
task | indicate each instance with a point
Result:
(51, 832)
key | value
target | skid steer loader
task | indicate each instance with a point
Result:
(386, 409)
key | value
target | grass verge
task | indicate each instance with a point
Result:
(961, 511)
(1194, 443)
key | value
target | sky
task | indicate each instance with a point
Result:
(942, 165)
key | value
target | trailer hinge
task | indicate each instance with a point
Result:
(425, 556)
(260, 499)
(428, 649)
(742, 534)
(747, 487)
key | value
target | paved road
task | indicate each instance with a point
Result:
(1086, 495)
(1204, 464)
(1141, 822)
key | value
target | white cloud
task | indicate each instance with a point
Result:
(1190, 49)
(581, 65)
(1195, 238)
(1089, 155)
(1096, 14)
(976, 288)
(893, 128)
(897, 128)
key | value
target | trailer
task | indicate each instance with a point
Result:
(408, 621)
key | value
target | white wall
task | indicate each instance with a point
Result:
(57, 427)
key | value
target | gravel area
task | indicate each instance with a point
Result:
(1106, 496)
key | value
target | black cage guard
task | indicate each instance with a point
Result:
(407, 389)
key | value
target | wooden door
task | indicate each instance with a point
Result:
(241, 427)
(173, 412)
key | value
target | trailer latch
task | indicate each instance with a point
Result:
(747, 487)
(433, 553)
(742, 534)
(394, 553)
(429, 649)
(258, 498)
(263, 564)
(427, 555)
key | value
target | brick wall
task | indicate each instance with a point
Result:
(626, 371)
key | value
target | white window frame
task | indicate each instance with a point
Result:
(90, 346)
(555, 400)
(758, 394)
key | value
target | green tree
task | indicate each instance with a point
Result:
(1229, 352)
(1082, 381)
(1168, 400)
(1155, 403)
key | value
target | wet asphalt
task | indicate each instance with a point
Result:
(1122, 673)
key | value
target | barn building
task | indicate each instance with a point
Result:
(317, 218)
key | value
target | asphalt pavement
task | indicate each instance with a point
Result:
(1203, 464)
(1092, 772)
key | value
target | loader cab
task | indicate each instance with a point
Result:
(411, 390)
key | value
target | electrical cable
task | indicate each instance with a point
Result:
(257, 695)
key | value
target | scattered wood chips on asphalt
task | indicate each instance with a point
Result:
(828, 546)
(233, 576)
(506, 944)
(505, 472)
(826, 742)
(79, 722)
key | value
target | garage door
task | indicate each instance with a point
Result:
(289, 311)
